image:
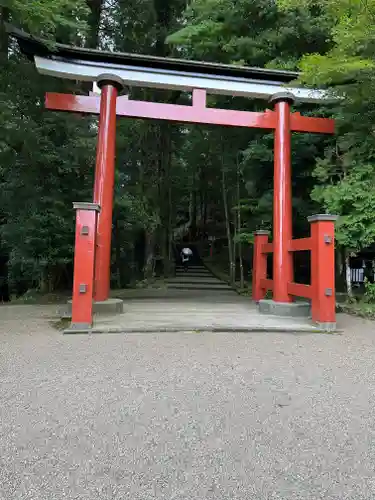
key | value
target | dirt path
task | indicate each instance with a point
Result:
(184, 416)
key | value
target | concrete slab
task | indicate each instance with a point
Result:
(189, 303)
(234, 314)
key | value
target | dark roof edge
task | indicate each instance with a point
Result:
(31, 46)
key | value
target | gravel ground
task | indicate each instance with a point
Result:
(187, 416)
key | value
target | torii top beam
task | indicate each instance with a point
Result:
(137, 70)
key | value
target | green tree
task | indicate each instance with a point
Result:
(346, 172)
(259, 34)
(46, 17)
(45, 158)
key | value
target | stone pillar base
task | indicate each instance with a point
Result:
(106, 307)
(327, 327)
(78, 328)
(286, 309)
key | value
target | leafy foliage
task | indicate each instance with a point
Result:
(47, 16)
(346, 172)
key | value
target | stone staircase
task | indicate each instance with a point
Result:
(197, 279)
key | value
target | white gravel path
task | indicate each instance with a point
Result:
(186, 416)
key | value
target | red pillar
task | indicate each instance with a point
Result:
(323, 306)
(84, 256)
(282, 201)
(104, 184)
(259, 265)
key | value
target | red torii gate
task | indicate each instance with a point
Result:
(109, 105)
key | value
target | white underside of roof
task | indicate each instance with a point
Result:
(174, 80)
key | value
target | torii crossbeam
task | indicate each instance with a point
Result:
(197, 113)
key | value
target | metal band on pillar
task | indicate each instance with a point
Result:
(282, 205)
(110, 86)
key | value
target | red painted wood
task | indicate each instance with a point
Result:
(299, 123)
(282, 205)
(84, 256)
(299, 290)
(187, 114)
(259, 266)
(323, 307)
(267, 284)
(199, 98)
(73, 103)
(300, 245)
(103, 189)
(267, 248)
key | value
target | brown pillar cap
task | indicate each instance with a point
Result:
(322, 217)
(110, 79)
(282, 96)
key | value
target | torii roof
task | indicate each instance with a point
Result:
(83, 64)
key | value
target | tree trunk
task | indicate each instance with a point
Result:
(170, 227)
(149, 255)
(118, 253)
(348, 275)
(44, 281)
(95, 8)
(227, 224)
(163, 14)
(164, 161)
(4, 39)
(234, 248)
(193, 227)
(4, 253)
(239, 224)
(205, 210)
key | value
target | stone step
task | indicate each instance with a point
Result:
(193, 280)
(194, 273)
(193, 269)
(199, 286)
(191, 266)
(185, 295)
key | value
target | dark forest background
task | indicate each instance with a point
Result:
(173, 178)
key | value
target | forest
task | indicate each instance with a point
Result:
(171, 178)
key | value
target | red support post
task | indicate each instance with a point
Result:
(282, 205)
(104, 184)
(84, 258)
(259, 265)
(323, 306)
